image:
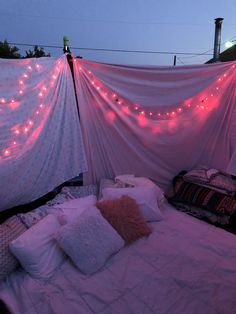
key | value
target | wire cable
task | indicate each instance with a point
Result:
(110, 50)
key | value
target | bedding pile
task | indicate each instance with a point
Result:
(76, 258)
(207, 194)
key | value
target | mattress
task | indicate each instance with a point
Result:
(184, 266)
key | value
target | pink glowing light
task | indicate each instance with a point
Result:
(29, 67)
(110, 116)
(40, 94)
(37, 112)
(26, 130)
(3, 101)
(21, 82)
(54, 77)
(25, 75)
(17, 132)
(6, 152)
(126, 109)
(21, 92)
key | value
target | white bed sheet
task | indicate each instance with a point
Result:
(185, 266)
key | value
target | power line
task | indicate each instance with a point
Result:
(112, 50)
(94, 20)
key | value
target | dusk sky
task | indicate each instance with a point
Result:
(166, 27)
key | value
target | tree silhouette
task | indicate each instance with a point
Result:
(36, 53)
(8, 52)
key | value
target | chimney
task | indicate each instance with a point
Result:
(218, 23)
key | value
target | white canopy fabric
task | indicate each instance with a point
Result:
(40, 136)
(156, 121)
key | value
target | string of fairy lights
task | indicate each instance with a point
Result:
(139, 110)
(110, 96)
(17, 100)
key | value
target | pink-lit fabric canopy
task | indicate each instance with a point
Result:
(40, 137)
(156, 121)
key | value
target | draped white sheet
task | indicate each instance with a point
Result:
(40, 136)
(155, 121)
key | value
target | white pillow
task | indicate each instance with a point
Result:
(37, 250)
(90, 241)
(143, 181)
(145, 196)
(73, 208)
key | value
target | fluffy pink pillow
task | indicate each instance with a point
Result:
(124, 216)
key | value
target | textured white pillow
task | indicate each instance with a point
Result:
(73, 208)
(90, 241)
(145, 196)
(37, 250)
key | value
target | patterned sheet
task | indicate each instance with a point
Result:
(185, 266)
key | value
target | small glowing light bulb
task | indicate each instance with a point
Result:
(21, 92)
(40, 94)
(17, 132)
(25, 75)
(37, 112)
(30, 67)
(26, 130)
(21, 82)
(150, 113)
(6, 152)
(54, 77)
(3, 101)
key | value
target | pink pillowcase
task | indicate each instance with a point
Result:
(124, 216)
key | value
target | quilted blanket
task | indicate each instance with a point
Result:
(184, 266)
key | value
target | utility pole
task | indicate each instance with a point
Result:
(174, 60)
